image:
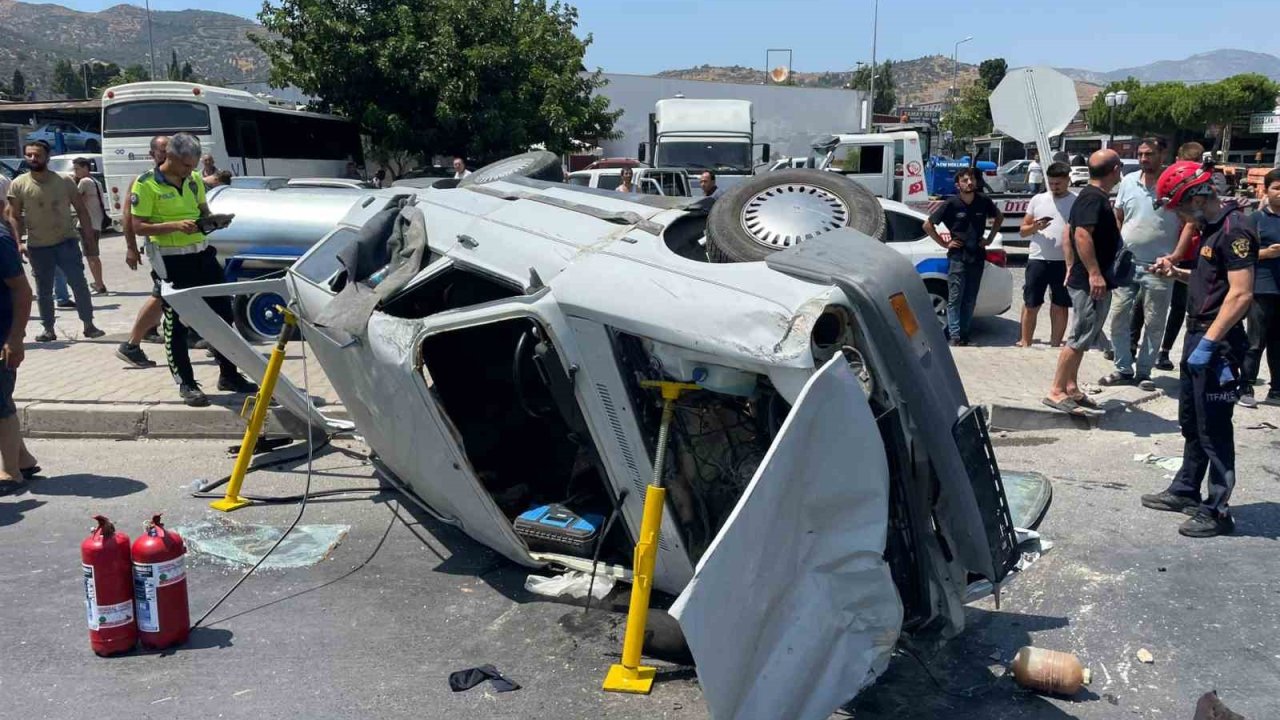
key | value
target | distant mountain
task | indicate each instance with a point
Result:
(1205, 67)
(921, 80)
(37, 36)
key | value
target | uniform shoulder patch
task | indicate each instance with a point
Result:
(133, 198)
(1240, 246)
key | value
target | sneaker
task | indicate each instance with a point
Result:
(153, 337)
(47, 336)
(1273, 398)
(1163, 362)
(1205, 524)
(1247, 401)
(1146, 383)
(1169, 502)
(92, 332)
(192, 395)
(237, 384)
(134, 355)
(66, 304)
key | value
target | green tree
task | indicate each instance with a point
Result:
(480, 78)
(1176, 110)
(67, 81)
(971, 116)
(133, 73)
(179, 72)
(992, 71)
(886, 89)
(19, 85)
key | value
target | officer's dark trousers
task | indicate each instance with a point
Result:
(187, 271)
(1205, 407)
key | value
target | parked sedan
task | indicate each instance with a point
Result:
(1015, 174)
(75, 139)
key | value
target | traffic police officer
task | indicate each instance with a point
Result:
(1219, 292)
(166, 202)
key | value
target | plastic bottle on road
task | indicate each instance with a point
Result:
(1049, 671)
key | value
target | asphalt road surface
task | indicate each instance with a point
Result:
(375, 629)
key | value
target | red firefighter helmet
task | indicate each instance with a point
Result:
(1183, 180)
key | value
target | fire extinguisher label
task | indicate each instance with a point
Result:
(147, 577)
(103, 616)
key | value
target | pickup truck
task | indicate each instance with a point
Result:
(892, 165)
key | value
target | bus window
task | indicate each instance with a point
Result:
(155, 117)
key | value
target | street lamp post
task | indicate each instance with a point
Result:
(954, 66)
(1115, 100)
(871, 93)
(151, 41)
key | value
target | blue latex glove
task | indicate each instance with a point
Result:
(1200, 358)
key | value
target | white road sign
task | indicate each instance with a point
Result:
(1033, 104)
(1264, 123)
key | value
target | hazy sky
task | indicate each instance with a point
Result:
(645, 36)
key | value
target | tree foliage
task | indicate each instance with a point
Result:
(133, 73)
(71, 80)
(480, 78)
(886, 101)
(971, 116)
(19, 84)
(991, 72)
(180, 72)
(1173, 108)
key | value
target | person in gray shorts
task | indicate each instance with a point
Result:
(1093, 241)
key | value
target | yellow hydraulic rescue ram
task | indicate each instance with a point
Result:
(629, 676)
(261, 404)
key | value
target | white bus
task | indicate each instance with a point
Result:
(245, 133)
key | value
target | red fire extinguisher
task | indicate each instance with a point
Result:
(160, 586)
(108, 592)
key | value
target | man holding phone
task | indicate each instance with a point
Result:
(168, 206)
(1150, 233)
(1045, 224)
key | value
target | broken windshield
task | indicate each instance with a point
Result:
(725, 156)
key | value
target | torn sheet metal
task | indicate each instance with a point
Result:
(793, 610)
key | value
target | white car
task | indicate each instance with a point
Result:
(905, 233)
(671, 182)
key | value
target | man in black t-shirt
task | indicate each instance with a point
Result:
(1093, 239)
(1219, 293)
(966, 216)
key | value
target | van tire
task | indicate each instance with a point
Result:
(538, 165)
(737, 229)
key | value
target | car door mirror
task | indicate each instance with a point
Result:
(764, 152)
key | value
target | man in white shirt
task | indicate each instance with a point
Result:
(460, 168)
(1150, 234)
(1035, 175)
(1045, 224)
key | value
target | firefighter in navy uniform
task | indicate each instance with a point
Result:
(1220, 290)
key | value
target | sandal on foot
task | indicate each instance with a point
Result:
(1066, 405)
(1116, 379)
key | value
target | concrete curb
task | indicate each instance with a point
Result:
(1014, 417)
(131, 421)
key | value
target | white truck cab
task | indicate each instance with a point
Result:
(889, 164)
(698, 135)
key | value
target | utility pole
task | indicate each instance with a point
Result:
(871, 99)
(955, 52)
(151, 41)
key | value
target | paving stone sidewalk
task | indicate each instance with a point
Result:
(78, 388)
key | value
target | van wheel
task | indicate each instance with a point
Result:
(938, 297)
(783, 208)
(539, 165)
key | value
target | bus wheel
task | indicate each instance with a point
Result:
(257, 318)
